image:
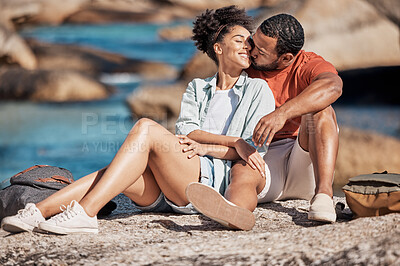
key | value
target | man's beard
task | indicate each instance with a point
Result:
(270, 67)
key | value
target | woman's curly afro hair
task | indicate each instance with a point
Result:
(211, 27)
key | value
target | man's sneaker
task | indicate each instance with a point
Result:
(322, 209)
(26, 219)
(213, 205)
(72, 220)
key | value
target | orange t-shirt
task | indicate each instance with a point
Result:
(289, 82)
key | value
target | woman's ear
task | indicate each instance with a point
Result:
(217, 48)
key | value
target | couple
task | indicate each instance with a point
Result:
(231, 139)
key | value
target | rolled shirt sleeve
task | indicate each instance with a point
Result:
(263, 103)
(189, 117)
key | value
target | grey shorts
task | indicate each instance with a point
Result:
(162, 204)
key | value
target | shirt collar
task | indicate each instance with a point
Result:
(237, 88)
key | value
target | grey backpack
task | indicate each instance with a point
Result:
(32, 185)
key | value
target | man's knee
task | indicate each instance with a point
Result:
(312, 123)
(326, 115)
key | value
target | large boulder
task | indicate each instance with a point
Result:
(200, 66)
(39, 11)
(94, 62)
(362, 152)
(349, 33)
(390, 8)
(103, 11)
(161, 103)
(48, 85)
(14, 50)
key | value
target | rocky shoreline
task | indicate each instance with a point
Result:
(282, 236)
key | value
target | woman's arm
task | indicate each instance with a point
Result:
(241, 150)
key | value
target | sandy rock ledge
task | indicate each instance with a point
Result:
(282, 235)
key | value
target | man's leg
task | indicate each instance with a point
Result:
(319, 136)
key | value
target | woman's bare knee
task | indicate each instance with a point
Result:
(242, 174)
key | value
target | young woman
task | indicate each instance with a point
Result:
(154, 167)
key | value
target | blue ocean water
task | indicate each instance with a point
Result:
(84, 136)
(139, 41)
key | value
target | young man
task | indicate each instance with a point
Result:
(301, 134)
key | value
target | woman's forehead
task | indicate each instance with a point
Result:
(239, 30)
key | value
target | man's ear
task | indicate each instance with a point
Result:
(217, 48)
(286, 59)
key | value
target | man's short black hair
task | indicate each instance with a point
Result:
(288, 32)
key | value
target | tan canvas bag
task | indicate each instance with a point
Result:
(373, 194)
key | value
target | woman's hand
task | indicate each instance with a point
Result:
(191, 147)
(250, 155)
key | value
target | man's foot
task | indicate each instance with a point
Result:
(72, 220)
(210, 203)
(322, 209)
(26, 219)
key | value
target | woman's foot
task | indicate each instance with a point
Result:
(71, 221)
(213, 205)
(26, 219)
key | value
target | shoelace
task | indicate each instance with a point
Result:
(66, 213)
(26, 212)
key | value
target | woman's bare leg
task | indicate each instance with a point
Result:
(144, 192)
(245, 185)
(147, 145)
(75, 191)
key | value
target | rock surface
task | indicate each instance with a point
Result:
(102, 11)
(282, 236)
(48, 85)
(362, 152)
(95, 62)
(348, 33)
(14, 50)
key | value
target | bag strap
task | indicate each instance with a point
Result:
(55, 178)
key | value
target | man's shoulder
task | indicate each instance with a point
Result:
(310, 55)
(306, 58)
(311, 62)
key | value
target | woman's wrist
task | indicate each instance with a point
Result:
(238, 141)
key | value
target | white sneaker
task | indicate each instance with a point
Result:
(72, 220)
(213, 205)
(26, 219)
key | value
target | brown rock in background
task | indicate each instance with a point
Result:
(200, 66)
(161, 103)
(176, 33)
(348, 33)
(94, 62)
(363, 152)
(14, 50)
(102, 11)
(48, 85)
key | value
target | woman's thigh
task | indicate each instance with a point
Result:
(145, 190)
(171, 168)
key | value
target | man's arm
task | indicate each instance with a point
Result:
(324, 90)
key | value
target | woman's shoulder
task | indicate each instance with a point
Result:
(257, 82)
(202, 82)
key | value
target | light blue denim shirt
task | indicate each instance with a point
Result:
(255, 101)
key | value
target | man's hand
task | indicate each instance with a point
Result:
(250, 156)
(191, 147)
(267, 127)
